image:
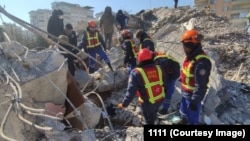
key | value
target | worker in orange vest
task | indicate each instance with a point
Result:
(92, 43)
(145, 40)
(129, 48)
(149, 80)
(172, 68)
(195, 74)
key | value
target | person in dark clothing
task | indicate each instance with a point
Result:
(129, 48)
(55, 24)
(122, 20)
(149, 80)
(106, 25)
(175, 3)
(92, 43)
(145, 40)
(172, 67)
(64, 41)
(71, 34)
(195, 74)
(69, 31)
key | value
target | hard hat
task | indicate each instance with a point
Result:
(191, 36)
(125, 33)
(92, 23)
(144, 54)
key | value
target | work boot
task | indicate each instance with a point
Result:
(182, 121)
(163, 111)
(91, 70)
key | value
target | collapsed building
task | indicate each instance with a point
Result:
(38, 96)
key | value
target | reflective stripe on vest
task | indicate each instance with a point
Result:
(145, 40)
(92, 41)
(165, 56)
(186, 71)
(152, 88)
(134, 49)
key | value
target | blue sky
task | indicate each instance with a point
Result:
(21, 8)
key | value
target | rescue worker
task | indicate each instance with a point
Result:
(106, 25)
(195, 74)
(145, 40)
(149, 80)
(129, 48)
(172, 67)
(92, 43)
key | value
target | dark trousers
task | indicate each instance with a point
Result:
(71, 65)
(175, 3)
(100, 52)
(150, 111)
(191, 116)
(131, 65)
(108, 40)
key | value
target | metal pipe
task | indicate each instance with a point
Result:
(3, 123)
(104, 108)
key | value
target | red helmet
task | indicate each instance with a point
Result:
(191, 36)
(92, 23)
(126, 33)
(145, 54)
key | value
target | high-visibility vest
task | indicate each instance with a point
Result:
(93, 41)
(133, 45)
(153, 82)
(187, 73)
(165, 56)
(145, 40)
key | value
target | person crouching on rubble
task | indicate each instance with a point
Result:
(129, 49)
(149, 80)
(172, 68)
(92, 43)
(194, 77)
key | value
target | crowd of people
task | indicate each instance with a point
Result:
(152, 74)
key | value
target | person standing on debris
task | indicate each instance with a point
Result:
(129, 48)
(68, 31)
(106, 26)
(71, 34)
(195, 73)
(145, 40)
(55, 24)
(92, 43)
(172, 67)
(175, 3)
(122, 20)
(149, 80)
(63, 41)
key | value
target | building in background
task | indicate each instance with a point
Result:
(235, 10)
(40, 17)
(74, 13)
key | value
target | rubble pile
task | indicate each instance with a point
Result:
(226, 101)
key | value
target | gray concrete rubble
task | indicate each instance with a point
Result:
(43, 79)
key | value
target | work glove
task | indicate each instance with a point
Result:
(120, 105)
(193, 107)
